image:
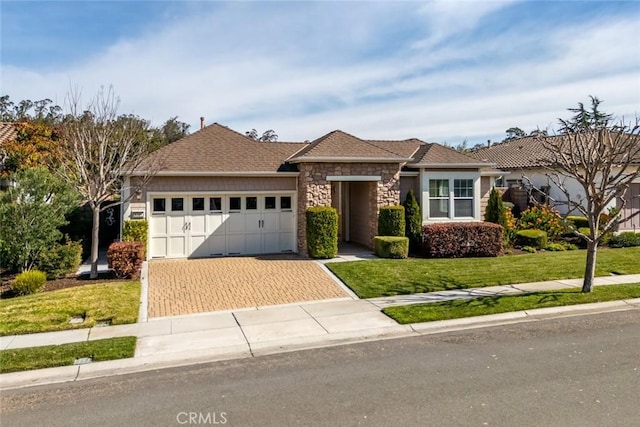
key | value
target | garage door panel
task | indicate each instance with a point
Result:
(177, 246)
(175, 224)
(235, 223)
(199, 247)
(286, 222)
(198, 224)
(158, 247)
(193, 226)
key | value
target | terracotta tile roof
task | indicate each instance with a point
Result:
(521, 153)
(439, 155)
(217, 148)
(7, 131)
(518, 153)
(339, 145)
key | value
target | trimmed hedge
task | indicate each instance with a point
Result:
(29, 282)
(126, 258)
(578, 221)
(391, 221)
(532, 237)
(463, 239)
(604, 240)
(625, 240)
(391, 246)
(60, 260)
(322, 232)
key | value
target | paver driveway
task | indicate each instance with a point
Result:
(179, 287)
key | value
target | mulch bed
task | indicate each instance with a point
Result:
(54, 285)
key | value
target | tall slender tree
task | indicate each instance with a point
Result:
(97, 148)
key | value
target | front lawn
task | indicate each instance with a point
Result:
(456, 309)
(113, 303)
(385, 277)
(24, 359)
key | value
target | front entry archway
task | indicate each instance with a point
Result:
(355, 201)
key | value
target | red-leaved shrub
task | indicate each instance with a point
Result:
(462, 239)
(126, 258)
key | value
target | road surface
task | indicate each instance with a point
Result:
(581, 370)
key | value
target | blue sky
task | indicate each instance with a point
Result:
(439, 71)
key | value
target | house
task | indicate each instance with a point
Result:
(7, 133)
(524, 161)
(218, 192)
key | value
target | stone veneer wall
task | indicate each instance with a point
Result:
(315, 190)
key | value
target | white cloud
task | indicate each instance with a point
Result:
(304, 69)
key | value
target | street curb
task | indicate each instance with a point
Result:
(62, 374)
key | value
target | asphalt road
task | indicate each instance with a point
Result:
(582, 371)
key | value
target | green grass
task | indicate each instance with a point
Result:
(456, 309)
(377, 278)
(116, 303)
(24, 359)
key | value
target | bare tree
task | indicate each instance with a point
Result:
(603, 159)
(98, 147)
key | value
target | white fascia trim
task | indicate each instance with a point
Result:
(493, 173)
(252, 174)
(449, 165)
(354, 178)
(409, 173)
(348, 160)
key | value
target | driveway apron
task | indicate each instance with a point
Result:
(180, 287)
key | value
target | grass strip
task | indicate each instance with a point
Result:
(456, 309)
(114, 303)
(25, 359)
(385, 277)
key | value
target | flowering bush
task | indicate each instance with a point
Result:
(509, 226)
(542, 218)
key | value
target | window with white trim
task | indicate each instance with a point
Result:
(462, 198)
(439, 198)
(451, 198)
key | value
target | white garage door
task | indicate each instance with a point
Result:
(215, 225)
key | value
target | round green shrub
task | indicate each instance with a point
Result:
(532, 237)
(29, 282)
(60, 259)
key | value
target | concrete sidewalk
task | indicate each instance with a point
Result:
(184, 340)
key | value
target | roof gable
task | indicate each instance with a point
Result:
(340, 146)
(216, 148)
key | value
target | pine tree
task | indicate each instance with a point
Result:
(413, 220)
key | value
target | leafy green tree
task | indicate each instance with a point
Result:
(413, 221)
(34, 145)
(31, 211)
(43, 110)
(267, 136)
(514, 133)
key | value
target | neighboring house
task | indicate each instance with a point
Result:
(524, 160)
(7, 133)
(218, 192)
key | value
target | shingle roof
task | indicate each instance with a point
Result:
(439, 155)
(339, 145)
(217, 148)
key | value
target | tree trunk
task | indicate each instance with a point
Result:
(590, 269)
(94, 241)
